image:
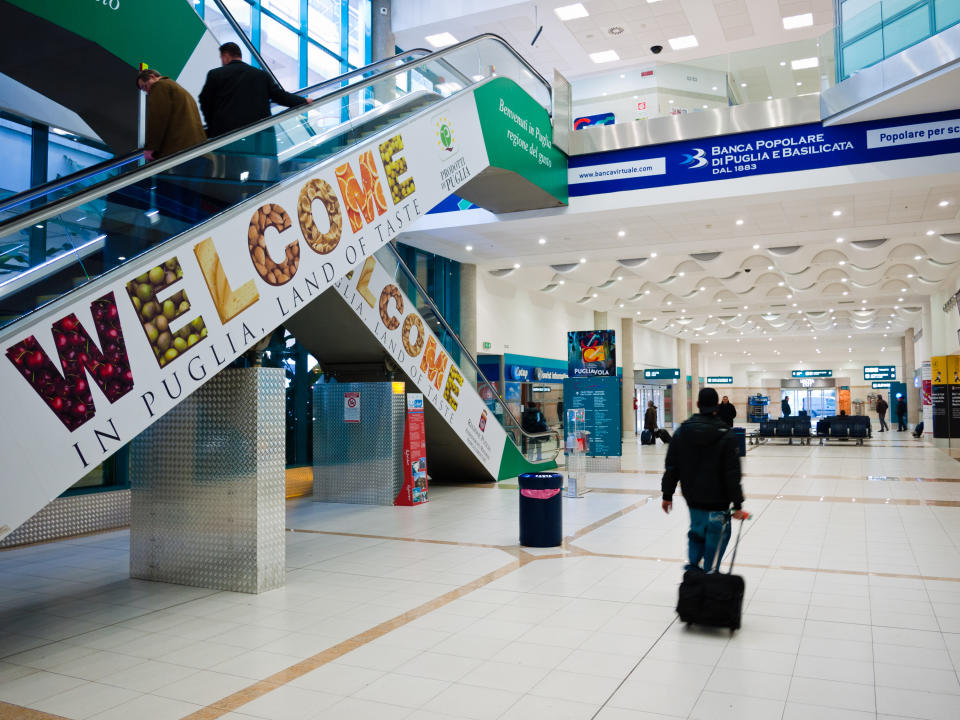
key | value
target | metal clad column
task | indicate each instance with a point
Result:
(208, 486)
(628, 418)
(909, 362)
(694, 371)
(681, 409)
(383, 45)
(468, 317)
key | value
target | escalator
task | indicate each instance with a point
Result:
(206, 252)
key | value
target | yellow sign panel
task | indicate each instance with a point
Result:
(399, 388)
(938, 369)
(953, 370)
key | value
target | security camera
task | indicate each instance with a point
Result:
(746, 269)
(656, 49)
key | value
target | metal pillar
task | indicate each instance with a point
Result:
(681, 410)
(468, 317)
(694, 371)
(208, 486)
(382, 45)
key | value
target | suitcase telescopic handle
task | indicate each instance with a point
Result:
(736, 544)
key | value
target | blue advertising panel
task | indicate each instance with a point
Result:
(777, 150)
(600, 399)
(661, 374)
(591, 353)
(879, 372)
(812, 373)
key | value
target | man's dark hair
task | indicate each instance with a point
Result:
(145, 75)
(231, 49)
(708, 400)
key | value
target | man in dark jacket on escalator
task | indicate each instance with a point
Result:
(705, 460)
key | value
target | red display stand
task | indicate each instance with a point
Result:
(414, 490)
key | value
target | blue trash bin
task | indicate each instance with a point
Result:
(541, 509)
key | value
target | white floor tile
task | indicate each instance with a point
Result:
(289, 703)
(84, 701)
(717, 706)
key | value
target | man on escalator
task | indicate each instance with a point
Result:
(237, 94)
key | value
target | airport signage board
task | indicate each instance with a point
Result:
(880, 372)
(881, 385)
(661, 374)
(812, 373)
(776, 150)
(719, 380)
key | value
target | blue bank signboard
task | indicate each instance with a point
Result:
(787, 149)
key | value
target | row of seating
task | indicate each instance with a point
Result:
(798, 426)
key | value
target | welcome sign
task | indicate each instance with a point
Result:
(86, 375)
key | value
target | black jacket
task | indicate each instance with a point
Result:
(727, 412)
(237, 94)
(901, 409)
(705, 460)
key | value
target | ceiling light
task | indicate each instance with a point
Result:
(910, 275)
(799, 84)
(931, 232)
(780, 284)
(646, 292)
(441, 40)
(918, 257)
(516, 266)
(583, 260)
(594, 294)
(769, 97)
(739, 222)
(789, 297)
(743, 84)
(943, 203)
(863, 302)
(702, 288)
(669, 302)
(681, 273)
(571, 12)
(842, 262)
(898, 300)
(683, 42)
(756, 247)
(468, 248)
(621, 233)
(903, 290)
(804, 63)
(798, 21)
(653, 254)
(562, 282)
(839, 240)
(621, 304)
(837, 213)
(604, 56)
(714, 88)
(769, 267)
(745, 307)
(638, 312)
(542, 241)
(704, 107)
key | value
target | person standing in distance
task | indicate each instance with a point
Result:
(882, 408)
(173, 121)
(705, 460)
(727, 411)
(236, 94)
(785, 407)
(901, 413)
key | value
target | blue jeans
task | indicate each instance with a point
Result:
(708, 528)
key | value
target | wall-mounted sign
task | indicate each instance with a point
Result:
(606, 118)
(527, 373)
(542, 388)
(662, 374)
(881, 385)
(812, 373)
(487, 345)
(719, 380)
(879, 372)
(351, 407)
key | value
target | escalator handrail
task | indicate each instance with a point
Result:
(116, 162)
(99, 190)
(464, 353)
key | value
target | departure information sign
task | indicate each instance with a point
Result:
(662, 374)
(879, 372)
(719, 380)
(812, 373)
(881, 385)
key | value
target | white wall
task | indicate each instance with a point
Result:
(652, 349)
(525, 322)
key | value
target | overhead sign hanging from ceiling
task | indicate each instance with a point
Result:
(879, 372)
(812, 373)
(661, 374)
(719, 380)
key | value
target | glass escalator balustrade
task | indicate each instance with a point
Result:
(112, 219)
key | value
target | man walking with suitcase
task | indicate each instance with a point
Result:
(704, 458)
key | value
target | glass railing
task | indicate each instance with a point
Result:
(869, 32)
(536, 447)
(89, 232)
(803, 67)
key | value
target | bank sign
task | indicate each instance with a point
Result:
(789, 149)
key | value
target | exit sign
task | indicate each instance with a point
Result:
(487, 345)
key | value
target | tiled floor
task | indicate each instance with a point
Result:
(852, 612)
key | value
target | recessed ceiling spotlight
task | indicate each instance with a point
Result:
(681, 273)
(769, 97)
(943, 203)
(743, 84)
(756, 246)
(571, 12)
(468, 248)
(621, 233)
(931, 232)
(918, 257)
(562, 281)
(840, 240)
(910, 275)
(653, 254)
(646, 292)
(604, 56)
(842, 262)
(769, 267)
(542, 241)
(669, 302)
(780, 284)
(798, 21)
(621, 304)
(898, 300)
(683, 42)
(594, 294)
(799, 84)
(516, 266)
(583, 260)
(739, 221)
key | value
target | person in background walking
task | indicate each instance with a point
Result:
(727, 411)
(705, 460)
(785, 407)
(901, 413)
(882, 408)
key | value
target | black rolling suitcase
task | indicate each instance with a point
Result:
(712, 599)
(663, 435)
(646, 438)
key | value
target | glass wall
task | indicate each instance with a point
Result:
(870, 30)
(303, 42)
